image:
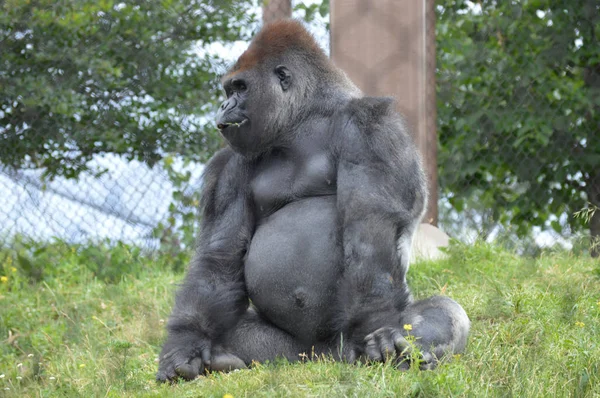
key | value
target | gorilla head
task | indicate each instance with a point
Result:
(283, 76)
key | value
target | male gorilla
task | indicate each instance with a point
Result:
(308, 219)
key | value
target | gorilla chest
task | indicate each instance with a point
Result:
(282, 179)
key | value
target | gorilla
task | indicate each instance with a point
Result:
(307, 225)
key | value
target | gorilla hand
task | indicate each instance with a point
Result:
(389, 343)
(385, 343)
(183, 355)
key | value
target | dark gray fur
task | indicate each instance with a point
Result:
(309, 213)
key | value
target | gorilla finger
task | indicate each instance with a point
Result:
(428, 364)
(164, 376)
(185, 371)
(351, 356)
(348, 354)
(369, 337)
(161, 377)
(189, 371)
(198, 365)
(387, 348)
(402, 345)
(372, 350)
(225, 362)
(205, 355)
(402, 364)
(428, 361)
(383, 331)
(166, 371)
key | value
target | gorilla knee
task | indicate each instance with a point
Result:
(440, 325)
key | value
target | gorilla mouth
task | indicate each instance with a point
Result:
(222, 126)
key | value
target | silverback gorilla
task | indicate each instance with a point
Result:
(308, 219)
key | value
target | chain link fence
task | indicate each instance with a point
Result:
(518, 130)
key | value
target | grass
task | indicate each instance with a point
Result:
(89, 321)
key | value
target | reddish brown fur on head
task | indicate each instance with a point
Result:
(274, 39)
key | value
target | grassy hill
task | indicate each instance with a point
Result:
(89, 320)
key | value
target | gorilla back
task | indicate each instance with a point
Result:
(309, 215)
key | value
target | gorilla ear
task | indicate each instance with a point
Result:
(285, 77)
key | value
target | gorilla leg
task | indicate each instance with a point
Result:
(255, 339)
(440, 326)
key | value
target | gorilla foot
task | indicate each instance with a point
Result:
(439, 327)
(434, 328)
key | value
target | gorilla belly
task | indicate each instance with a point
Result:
(293, 265)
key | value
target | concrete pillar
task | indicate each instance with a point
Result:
(276, 9)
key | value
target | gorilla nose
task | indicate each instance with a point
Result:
(229, 103)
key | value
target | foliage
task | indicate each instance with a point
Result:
(535, 330)
(519, 110)
(311, 10)
(82, 77)
(590, 215)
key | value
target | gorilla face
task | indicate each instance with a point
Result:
(251, 117)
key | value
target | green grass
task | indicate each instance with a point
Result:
(89, 320)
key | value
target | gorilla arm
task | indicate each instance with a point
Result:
(213, 296)
(381, 197)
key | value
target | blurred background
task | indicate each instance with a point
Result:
(106, 111)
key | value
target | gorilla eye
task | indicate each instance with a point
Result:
(239, 85)
(285, 77)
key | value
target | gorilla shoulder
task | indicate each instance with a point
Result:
(366, 110)
(374, 124)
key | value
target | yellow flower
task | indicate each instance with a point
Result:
(82, 365)
(580, 324)
(13, 269)
(408, 327)
(4, 279)
(227, 396)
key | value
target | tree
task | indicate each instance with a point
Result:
(519, 110)
(86, 77)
